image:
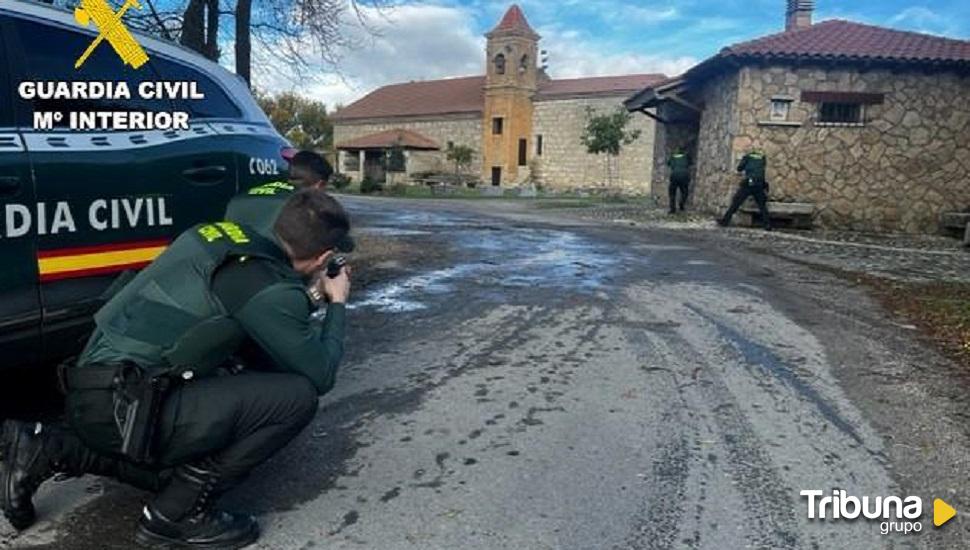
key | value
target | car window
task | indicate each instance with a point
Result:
(216, 103)
(49, 55)
(6, 86)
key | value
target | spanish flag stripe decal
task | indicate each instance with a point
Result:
(87, 261)
(100, 248)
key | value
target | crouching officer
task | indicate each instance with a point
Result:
(147, 396)
(753, 166)
(679, 165)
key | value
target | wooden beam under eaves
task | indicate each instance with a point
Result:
(658, 118)
(681, 101)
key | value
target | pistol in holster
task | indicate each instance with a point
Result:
(138, 398)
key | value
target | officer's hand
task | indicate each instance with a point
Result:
(337, 289)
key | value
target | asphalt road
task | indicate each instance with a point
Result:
(521, 379)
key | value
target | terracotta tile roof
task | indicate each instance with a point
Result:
(397, 137)
(466, 95)
(837, 39)
(429, 97)
(513, 21)
(596, 85)
(834, 40)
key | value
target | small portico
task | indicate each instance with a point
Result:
(378, 155)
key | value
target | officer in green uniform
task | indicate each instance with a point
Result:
(679, 164)
(753, 166)
(160, 345)
(259, 207)
(308, 169)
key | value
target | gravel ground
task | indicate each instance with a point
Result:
(909, 258)
(523, 378)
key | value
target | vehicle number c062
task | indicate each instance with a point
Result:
(263, 167)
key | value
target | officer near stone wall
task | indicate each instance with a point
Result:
(150, 401)
(753, 184)
(679, 164)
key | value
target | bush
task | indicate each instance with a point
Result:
(339, 181)
(398, 190)
(368, 186)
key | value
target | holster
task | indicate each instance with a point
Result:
(137, 398)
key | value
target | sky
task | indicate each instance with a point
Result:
(419, 40)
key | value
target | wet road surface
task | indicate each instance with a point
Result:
(525, 380)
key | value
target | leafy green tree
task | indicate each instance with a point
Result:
(302, 120)
(462, 156)
(607, 134)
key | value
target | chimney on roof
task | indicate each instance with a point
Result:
(799, 14)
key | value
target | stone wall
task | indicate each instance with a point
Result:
(898, 171)
(714, 179)
(461, 130)
(680, 131)
(565, 163)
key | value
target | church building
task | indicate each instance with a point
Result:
(523, 126)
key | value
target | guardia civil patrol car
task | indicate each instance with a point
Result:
(77, 208)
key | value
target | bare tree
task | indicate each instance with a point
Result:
(296, 35)
(200, 27)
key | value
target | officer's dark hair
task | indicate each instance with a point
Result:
(316, 164)
(310, 223)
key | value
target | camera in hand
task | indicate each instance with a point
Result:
(335, 265)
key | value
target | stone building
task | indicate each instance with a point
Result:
(522, 125)
(870, 124)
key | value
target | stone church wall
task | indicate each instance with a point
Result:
(564, 162)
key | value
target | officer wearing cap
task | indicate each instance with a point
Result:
(679, 164)
(753, 184)
(151, 374)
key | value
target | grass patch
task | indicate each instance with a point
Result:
(940, 310)
(564, 204)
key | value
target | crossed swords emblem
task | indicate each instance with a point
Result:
(110, 28)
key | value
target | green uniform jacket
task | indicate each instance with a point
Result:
(679, 165)
(260, 206)
(178, 313)
(753, 165)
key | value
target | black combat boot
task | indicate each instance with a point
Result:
(35, 452)
(182, 516)
(32, 456)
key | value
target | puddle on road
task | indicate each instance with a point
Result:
(487, 257)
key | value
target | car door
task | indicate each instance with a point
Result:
(205, 171)
(129, 193)
(19, 296)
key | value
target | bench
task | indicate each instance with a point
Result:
(955, 224)
(798, 215)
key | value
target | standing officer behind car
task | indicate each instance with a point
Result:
(156, 348)
(679, 165)
(754, 185)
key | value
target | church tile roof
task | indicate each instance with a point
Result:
(456, 96)
(397, 137)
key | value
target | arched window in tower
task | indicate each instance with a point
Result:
(500, 63)
(524, 63)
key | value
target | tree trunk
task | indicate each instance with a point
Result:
(193, 26)
(244, 12)
(212, 30)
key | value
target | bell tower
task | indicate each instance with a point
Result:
(510, 83)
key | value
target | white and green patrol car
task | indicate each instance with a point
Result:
(77, 208)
